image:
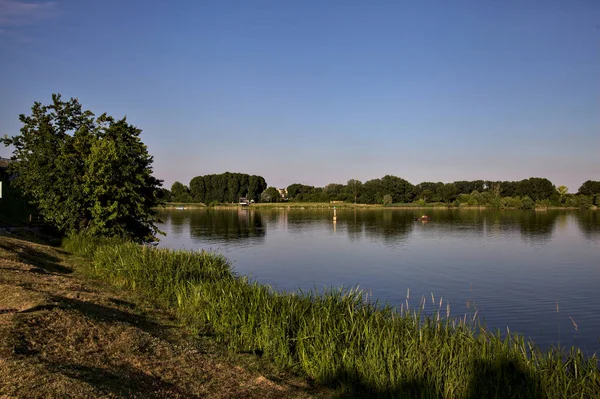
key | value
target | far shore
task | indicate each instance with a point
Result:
(342, 205)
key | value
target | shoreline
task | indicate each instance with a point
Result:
(321, 205)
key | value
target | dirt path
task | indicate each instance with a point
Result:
(65, 335)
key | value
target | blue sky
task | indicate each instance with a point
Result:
(316, 92)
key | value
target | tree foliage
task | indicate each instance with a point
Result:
(354, 189)
(536, 188)
(448, 192)
(387, 200)
(270, 195)
(467, 187)
(226, 187)
(304, 193)
(590, 187)
(180, 192)
(85, 173)
(427, 191)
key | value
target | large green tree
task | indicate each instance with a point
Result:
(86, 174)
(448, 192)
(270, 195)
(400, 189)
(180, 192)
(256, 185)
(536, 188)
(590, 187)
(354, 188)
(301, 192)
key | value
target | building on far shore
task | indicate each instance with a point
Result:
(283, 192)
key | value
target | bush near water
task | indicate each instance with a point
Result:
(338, 337)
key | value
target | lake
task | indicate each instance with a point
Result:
(534, 272)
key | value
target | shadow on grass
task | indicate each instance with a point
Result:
(413, 388)
(108, 314)
(120, 381)
(38, 259)
(499, 379)
(504, 379)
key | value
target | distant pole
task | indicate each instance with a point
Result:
(0, 189)
(334, 219)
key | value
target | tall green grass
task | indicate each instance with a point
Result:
(339, 337)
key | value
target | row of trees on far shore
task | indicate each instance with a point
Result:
(523, 194)
(225, 187)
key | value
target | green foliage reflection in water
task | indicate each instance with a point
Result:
(338, 336)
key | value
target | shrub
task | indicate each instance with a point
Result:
(528, 203)
(584, 201)
(545, 203)
(387, 200)
(512, 202)
(473, 202)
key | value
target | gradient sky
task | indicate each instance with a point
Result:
(321, 91)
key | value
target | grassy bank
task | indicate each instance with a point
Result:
(338, 338)
(64, 334)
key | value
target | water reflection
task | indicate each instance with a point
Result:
(589, 223)
(538, 225)
(386, 225)
(217, 225)
(531, 226)
(391, 226)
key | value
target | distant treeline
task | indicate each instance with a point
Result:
(524, 194)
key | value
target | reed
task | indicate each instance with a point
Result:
(338, 337)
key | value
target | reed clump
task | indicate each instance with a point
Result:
(338, 337)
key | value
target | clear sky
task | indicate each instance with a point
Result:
(323, 91)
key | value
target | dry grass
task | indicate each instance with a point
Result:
(65, 335)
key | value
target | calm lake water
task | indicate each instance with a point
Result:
(537, 273)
